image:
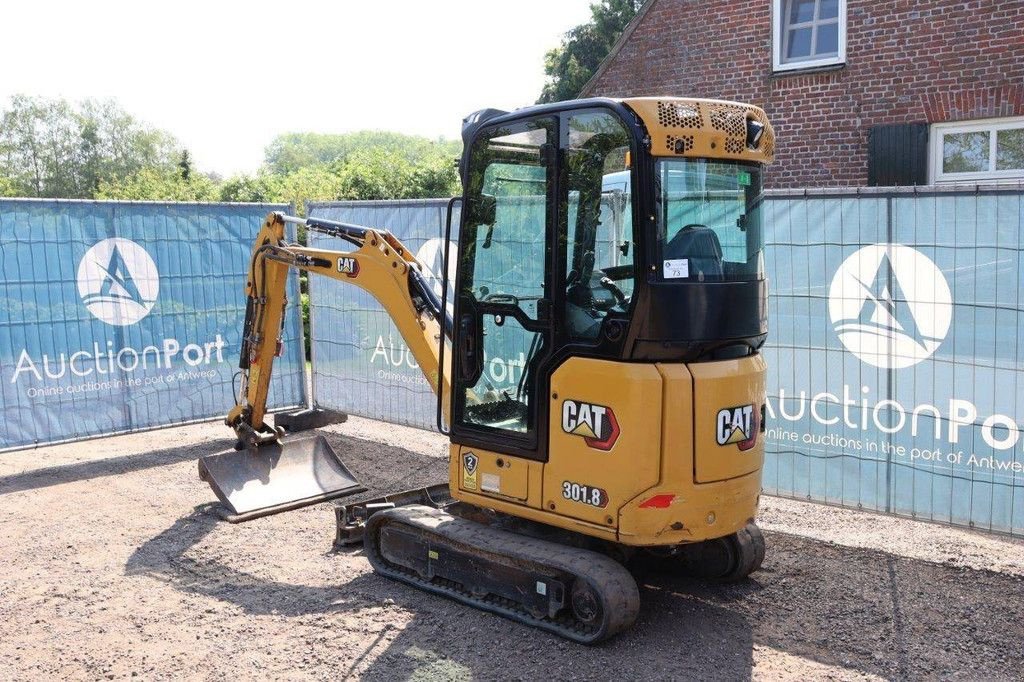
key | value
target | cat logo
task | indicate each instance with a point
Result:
(596, 424)
(469, 462)
(737, 425)
(348, 265)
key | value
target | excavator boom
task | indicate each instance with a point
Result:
(268, 472)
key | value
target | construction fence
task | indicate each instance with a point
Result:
(896, 366)
(894, 352)
(124, 316)
(895, 380)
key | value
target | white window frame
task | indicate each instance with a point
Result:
(990, 125)
(778, 27)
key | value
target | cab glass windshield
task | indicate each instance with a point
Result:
(709, 220)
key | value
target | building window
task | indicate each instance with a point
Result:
(972, 151)
(808, 33)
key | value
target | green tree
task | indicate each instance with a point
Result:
(159, 184)
(569, 66)
(376, 174)
(259, 188)
(53, 148)
(302, 167)
(387, 174)
(115, 145)
(94, 149)
(290, 152)
(308, 184)
(436, 176)
(185, 165)
(22, 135)
(7, 188)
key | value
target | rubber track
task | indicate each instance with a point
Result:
(616, 587)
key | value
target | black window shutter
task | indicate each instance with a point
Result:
(898, 155)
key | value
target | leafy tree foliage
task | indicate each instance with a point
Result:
(303, 167)
(7, 188)
(259, 188)
(387, 174)
(292, 151)
(52, 148)
(159, 184)
(569, 66)
(307, 184)
(185, 165)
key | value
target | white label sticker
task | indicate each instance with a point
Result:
(490, 483)
(542, 588)
(676, 269)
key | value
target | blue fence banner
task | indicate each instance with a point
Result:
(896, 367)
(896, 370)
(123, 316)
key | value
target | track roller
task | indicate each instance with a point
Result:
(576, 593)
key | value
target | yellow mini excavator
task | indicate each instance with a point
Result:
(595, 362)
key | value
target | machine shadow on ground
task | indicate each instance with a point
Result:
(850, 608)
(109, 466)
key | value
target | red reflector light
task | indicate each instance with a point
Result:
(658, 502)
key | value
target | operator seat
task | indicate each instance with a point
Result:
(581, 317)
(700, 245)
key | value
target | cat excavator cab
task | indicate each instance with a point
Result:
(596, 362)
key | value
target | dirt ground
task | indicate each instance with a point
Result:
(112, 565)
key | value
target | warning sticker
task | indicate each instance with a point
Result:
(469, 462)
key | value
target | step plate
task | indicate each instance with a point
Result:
(277, 477)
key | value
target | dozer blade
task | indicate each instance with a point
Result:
(277, 477)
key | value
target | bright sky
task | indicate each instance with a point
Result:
(225, 77)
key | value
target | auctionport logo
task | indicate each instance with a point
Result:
(890, 305)
(118, 281)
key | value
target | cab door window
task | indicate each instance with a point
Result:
(599, 245)
(504, 263)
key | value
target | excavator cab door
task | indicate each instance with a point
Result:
(503, 324)
(546, 267)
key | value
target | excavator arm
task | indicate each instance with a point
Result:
(379, 264)
(267, 472)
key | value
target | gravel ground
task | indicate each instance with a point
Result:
(113, 565)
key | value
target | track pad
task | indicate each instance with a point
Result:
(277, 477)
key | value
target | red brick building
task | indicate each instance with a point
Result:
(880, 92)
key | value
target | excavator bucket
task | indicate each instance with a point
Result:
(277, 477)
